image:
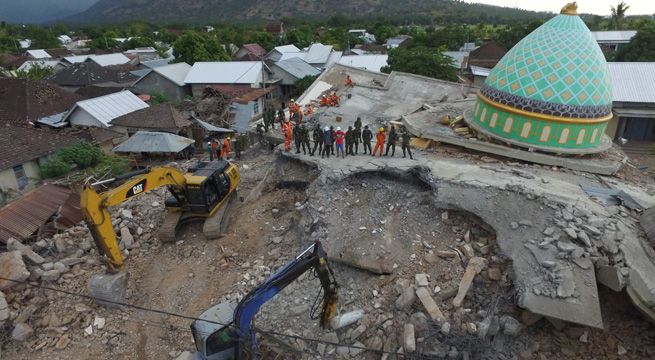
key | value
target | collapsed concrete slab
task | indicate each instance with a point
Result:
(550, 282)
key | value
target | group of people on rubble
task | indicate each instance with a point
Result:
(220, 149)
(337, 142)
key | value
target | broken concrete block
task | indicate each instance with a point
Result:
(490, 326)
(566, 285)
(510, 325)
(591, 229)
(22, 332)
(585, 238)
(12, 268)
(50, 275)
(409, 341)
(447, 254)
(529, 318)
(429, 304)
(346, 319)
(15, 245)
(4, 309)
(549, 231)
(185, 355)
(126, 237)
(422, 280)
(406, 299)
(566, 246)
(611, 277)
(571, 233)
(494, 274)
(474, 267)
(467, 250)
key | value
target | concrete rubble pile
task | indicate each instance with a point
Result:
(44, 319)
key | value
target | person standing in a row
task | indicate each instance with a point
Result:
(391, 143)
(357, 135)
(367, 136)
(340, 138)
(328, 140)
(317, 136)
(379, 142)
(304, 140)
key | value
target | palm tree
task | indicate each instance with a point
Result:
(618, 13)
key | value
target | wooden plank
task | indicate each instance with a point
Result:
(420, 143)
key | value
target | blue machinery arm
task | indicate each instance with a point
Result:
(314, 257)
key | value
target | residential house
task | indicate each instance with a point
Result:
(13, 61)
(25, 43)
(291, 70)
(478, 75)
(250, 52)
(161, 117)
(26, 148)
(105, 139)
(204, 74)
(633, 90)
(165, 80)
(26, 102)
(101, 60)
(487, 55)
(612, 40)
(362, 49)
(247, 103)
(151, 64)
(83, 74)
(460, 59)
(38, 54)
(53, 65)
(400, 41)
(102, 110)
(317, 55)
(275, 28)
(366, 62)
(64, 39)
(277, 52)
(362, 34)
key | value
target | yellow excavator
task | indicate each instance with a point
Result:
(205, 192)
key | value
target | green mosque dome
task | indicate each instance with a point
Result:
(550, 92)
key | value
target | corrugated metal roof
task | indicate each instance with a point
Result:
(633, 81)
(367, 62)
(459, 58)
(292, 55)
(156, 63)
(616, 36)
(23, 217)
(38, 54)
(76, 59)
(480, 71)
(225, 72)
(297, 67)
(155, 142)
(175, 72)
(318, 54)
(108, 107)
(110, 59)
(40, 63)
(286, 48)
(209, 127)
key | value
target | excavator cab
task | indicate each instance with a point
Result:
(213, 334)
(207, 184)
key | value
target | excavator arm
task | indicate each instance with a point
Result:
(95, 206)
(212, 326)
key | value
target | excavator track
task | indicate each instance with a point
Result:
(169, 227)
(216, 224)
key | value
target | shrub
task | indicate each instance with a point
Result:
(113, 165)
(83, 155)
(54, 167)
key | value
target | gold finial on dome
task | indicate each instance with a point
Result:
(570, 9)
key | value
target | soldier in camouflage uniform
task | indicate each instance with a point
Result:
(357, 135)
(349, 141)
(317, 136)
(304, 139)
(296, 137)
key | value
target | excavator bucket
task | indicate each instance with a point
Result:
(108, 289)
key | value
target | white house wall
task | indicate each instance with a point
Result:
(83, 118)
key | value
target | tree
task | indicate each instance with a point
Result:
(421, 61)
(303, 84)
(512, 34)
(192, 47)
(641, 47)
(618, 14)
(36, 72)
(299, 37)
(104, 41)
(137, 42)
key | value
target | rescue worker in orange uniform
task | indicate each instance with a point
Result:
(287, 130)
(325, 101)
(349, 81)
(379, 141)
(334, 99)
(225, 151)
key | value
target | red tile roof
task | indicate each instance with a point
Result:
(162, 117)
(24, 144)
(243, 93)
(255, 49)
(23, 101)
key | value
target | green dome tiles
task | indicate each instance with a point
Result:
(550, 92)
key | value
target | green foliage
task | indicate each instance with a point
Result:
(641, 47)
(83, 155)
(512, 34)
(54, 167)
(299, 37)
(618, 15)
(421, 61)
(451, 37)
(157, 98)
(112, 165)
(302, 84)
(137, 42)
(192, 47)
(36, 72)
(42, 38)
(383, 31)
(104, 41)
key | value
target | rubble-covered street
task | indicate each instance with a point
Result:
(416, 276)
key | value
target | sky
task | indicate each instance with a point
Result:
(599, 7)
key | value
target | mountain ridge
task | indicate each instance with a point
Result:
(212, 11)
(41, 11)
